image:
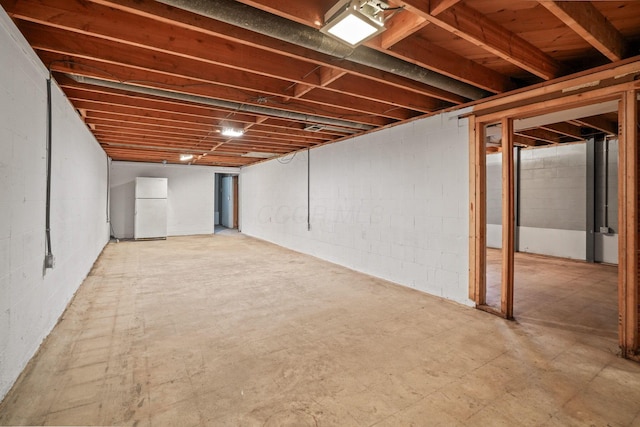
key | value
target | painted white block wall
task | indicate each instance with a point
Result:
(553, 201)
(554, 187)
(393, 204)
(31, 299)
(190, 201)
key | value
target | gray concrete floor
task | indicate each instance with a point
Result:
(231, 331)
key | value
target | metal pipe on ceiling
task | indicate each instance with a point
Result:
(240, 15)
(346, 126)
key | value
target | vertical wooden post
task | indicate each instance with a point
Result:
(236, 202)
(477, 214)
(473, 204)
(628, 259)
(506, 302)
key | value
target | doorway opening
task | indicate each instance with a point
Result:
(226, 202)
(547, 180)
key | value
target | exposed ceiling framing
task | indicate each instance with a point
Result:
(153, 81)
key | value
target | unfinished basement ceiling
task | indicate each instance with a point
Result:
(153, 81)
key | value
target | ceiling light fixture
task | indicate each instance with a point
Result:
(186, 157)
(232, 132)
(355, 21)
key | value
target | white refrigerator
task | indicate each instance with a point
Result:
(151, 208)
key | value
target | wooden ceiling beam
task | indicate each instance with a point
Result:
(142, 103)
(89, 47)
(333, 130)
(397, 97)
(521, 140)
(176, 17)
(259, 144)
(148, 138)
(307, 13)
(328, 75)
(113, 141)
(75, 90)
(540, 135)
(112, 55)
(598, 122)
(176, 117)
(431, 56)
(137, 128)
(105, 124)
(471, 25)
(157, 155)
(276, 132)
(566, 129)
(95, 20)
(157, 12)
(154, 79)
(107, 116)
(118, 112)
(439, 6)
(398, 27)
(587, 21)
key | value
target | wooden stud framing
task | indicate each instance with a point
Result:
(506, 299)
(629, 201)
(628, 301)
(477, 213)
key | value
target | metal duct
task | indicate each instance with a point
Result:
(235, 13)
(264, 111)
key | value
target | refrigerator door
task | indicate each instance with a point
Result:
(150, 219)
(151, 188)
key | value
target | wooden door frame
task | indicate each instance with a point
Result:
(628, 255)
(236, 202)
(545, 99)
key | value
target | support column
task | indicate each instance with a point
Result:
(591, 217)
(477, 213)
(506, 302)
(629, 225)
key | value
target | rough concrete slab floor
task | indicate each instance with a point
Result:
(226, 330)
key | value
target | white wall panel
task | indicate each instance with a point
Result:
(392, 203)
(561, 243)
(190, 198)
(553, 201)
(32, 299)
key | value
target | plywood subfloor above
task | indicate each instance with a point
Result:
(154, 81)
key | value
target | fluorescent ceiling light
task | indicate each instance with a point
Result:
(353, 21)
(232, 132)
(186, 157)
(353, 29)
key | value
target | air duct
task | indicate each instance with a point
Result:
(345, 126)
(240, 15)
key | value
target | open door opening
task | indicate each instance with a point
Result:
(227, 208)
(563, 180)
(564, 250)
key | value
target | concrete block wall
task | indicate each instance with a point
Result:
(494, 188)
(606, 244)
(32, 299)
(393, 204)
(553, 201)
(191, 193)
(554, 187)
